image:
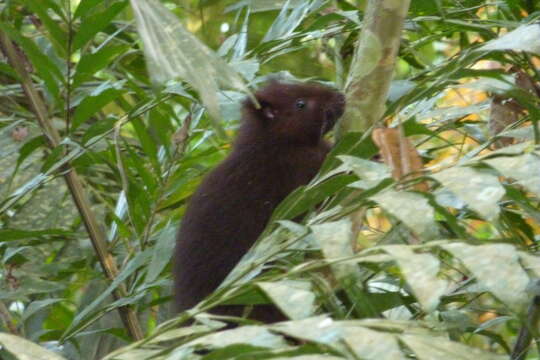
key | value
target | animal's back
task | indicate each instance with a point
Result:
(229, 211)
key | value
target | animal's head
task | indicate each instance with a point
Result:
(295, 112)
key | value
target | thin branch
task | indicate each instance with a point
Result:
(7, 319)
(69, 69)
(528, 331)
(127, 314)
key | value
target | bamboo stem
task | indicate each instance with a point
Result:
(97, 237)
(373, 64)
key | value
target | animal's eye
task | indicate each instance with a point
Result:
(300, 104)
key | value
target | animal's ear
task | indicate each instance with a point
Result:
(267, 110)
(263, 109)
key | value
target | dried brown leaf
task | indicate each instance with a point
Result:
(399, 154)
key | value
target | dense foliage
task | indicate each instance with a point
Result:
(89, 144)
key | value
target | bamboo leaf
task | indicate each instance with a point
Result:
(420, 271)
(434, 348)
(96, 100)
(24, 349)
(481, 191)
(91, 312)
(162, 252)
(294, 298)
(172, 51)
(524, 38)
(250, 335)
(46, 69)
(58, 35)
(370, 173)
(84, 7)
(413, 209)
(373, 345)
(335, 240)
(95, 23)
(497, 268)
(524, 169)
(92, 63)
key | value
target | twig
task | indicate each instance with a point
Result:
(127, 314)
(528, 330)
(68, 64)
(8, 320)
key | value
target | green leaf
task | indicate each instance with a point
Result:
(371, 173)
(147, 142)
(95, 23)
(96, 100)
(524, 169)
(150, 182)
(369, 344)
(431, 347)
(35, 285)
(29, 147)
(57, 33)
(306, 198)
(84, 7)
(524, 38)
(88, 314)
(9, 71)
(98, 128)
(13, 234)
(162, 252)
(287, 21)
(23, 190)
(53, 159)
(36, 306)
(137, 195)
(25, 349)
(250, 335)
(334, 238)
(172, 51)
(352, 144)
(45, 68)
(496, 267)
(420, 271)
(294, 298)
(92, 63)
(481, 191)
(260, 6)
(411, 208)
(320, 329)
(162, 118)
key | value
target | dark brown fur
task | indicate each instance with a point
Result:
(279, 148)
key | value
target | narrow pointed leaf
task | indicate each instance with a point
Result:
(481, 191)
(413, 209)
(497, 268)
(294, 298)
